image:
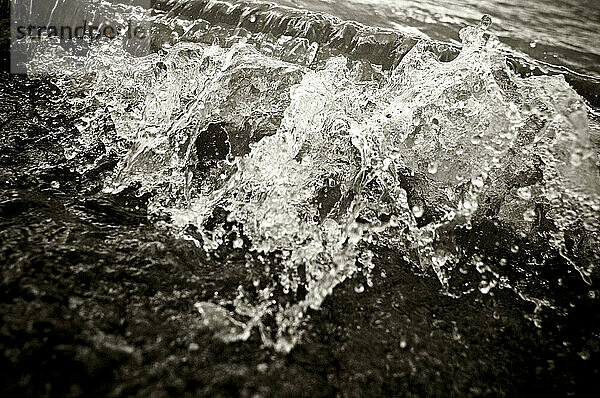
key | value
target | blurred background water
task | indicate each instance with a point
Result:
(559, 32)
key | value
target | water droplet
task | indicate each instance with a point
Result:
(476, 139)
(252, 18)
(529, 215)
(55, 184)
(524, 193)
(477, 182)
(238, 243)
(485, 287)
(575, 159)
(451, 215)
(486, 21)
(432, 168)
(439, 261)
(359, 288)
(262, 367)
(403, 344)
(514, 249)
(467, 205)
(417, 211)
(480, 266)
(503, 262)
(584, 354)
(532, 44)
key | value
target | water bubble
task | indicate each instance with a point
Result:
(485, 287)
(575, 159)
(480, 267)
(55, 184)
(477, 181)
(503, 262)
(524, 193)
(485, 22)
(532, 44)
(467, 205)
(403, 344)
(238, 243)
(529, 215)
(359, 288)
(416, 120)
(476, 139)
(262, 367)
(432, 168)
(252, 18)
(417, 211)
(476, 87)
(514, 249)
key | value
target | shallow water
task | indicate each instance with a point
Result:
(273, 157)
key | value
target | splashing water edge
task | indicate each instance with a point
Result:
(306, 159)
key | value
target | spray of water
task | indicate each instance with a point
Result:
(306, 166)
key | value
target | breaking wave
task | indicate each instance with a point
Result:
(302, 143)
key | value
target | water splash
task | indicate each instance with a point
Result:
(308, 162)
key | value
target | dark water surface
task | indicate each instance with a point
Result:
(279, 203)
(558, 32)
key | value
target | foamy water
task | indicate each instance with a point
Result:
(305, 142)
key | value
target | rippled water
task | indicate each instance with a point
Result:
(304, 144)
(558, 32)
